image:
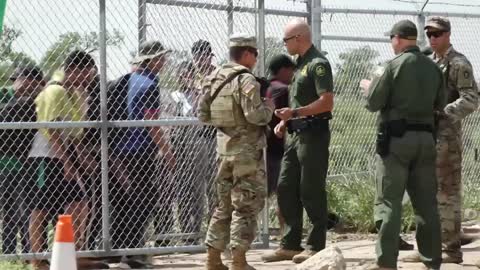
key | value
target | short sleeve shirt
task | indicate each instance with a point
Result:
(312, 78)
(143, 96)
(55, 103)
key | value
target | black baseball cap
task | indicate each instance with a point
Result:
(29, 72)
(405, 29)
(202, 47)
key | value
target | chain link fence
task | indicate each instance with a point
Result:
(146, 187)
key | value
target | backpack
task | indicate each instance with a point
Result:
(117, 107)
(17, 142)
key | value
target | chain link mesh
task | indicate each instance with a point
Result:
(160, 178)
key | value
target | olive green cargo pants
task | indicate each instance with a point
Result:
(302, 185)
(410, 165)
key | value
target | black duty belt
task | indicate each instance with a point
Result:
(419, 127)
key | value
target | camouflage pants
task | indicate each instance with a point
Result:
(449, 175)
(241, 191)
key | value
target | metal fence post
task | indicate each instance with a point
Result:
(422, 41)
(142, 21)
(316, 18)
(261, 72)
(104, 127)
(230, 17)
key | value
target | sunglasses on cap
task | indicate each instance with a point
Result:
(435, 34)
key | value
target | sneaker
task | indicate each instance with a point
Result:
(137, 262)
(451, 258)
(404, 245)
(280, 254)
(305, 255)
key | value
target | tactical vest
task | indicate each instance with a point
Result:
(224, 110)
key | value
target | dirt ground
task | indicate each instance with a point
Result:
(357, 249)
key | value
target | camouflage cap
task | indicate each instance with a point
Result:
(149, 50)
(405, 29)
(440, 23)
(243, 40)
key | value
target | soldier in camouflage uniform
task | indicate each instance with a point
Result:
(240, 116)
(462, 95)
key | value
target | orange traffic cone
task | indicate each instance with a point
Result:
(63, 255)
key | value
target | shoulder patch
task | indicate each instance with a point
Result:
(249, 88)
(304, 71)
(379, 70)
(320, 71)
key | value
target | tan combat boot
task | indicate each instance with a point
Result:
(214, 260)
(240, 261)
(280, 254)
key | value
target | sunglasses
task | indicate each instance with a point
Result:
(287, 39)
(435, 34)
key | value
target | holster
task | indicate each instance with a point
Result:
(382, 143)
(396, 128)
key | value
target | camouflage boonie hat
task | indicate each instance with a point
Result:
(440, 23)
(149, 50)
(405, 29)
(243, 40)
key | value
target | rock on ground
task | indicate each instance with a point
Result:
(328, 259)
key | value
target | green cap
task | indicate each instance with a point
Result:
(243, 40)
(440, 23)
(405, 29)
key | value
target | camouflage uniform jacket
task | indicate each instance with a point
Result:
(462, 91)
(249, 134)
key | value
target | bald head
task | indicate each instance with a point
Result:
(298, 27)
(297, 36)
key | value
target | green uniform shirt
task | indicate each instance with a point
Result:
(312, 78)
(410, 87)
(8, 164)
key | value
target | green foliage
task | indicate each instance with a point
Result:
(14, 266)
(9, 58)
(356, 65)
(70, 41)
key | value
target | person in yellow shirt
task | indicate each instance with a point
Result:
(58, 153)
